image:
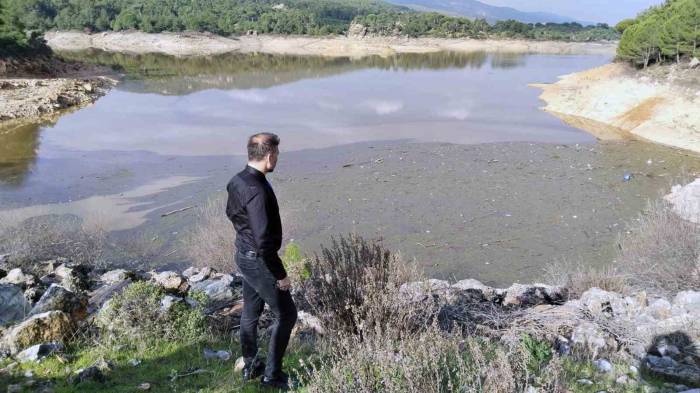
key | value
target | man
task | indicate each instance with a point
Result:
(253, 210)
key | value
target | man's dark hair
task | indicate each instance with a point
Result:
(262, 144)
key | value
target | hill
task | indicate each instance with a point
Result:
(478, 10)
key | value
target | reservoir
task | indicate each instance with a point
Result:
(447, 157)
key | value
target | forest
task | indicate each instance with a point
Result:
(310, 17)
(664, 34)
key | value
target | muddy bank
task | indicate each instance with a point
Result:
(197, 44)
(617, 102)
(37, 88)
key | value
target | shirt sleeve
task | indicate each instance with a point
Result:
(260, 225)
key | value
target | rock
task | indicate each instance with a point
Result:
(18, 277)
(664, 349)
(75, 278)
(622, 380)
(420, 291)
(308, 327)
(116, 276)
(219, 291)
(471, 290)
(87, 87)
(37, 352)
(533, 295)
(134, 362)
(202, 275)
(14, 388)
(689, 301)
(589, 336)
(144, 386)
(40, 328)
(603, 366)
(170, 281)
(667, 369)
(101, 295)
(584, 381)
(189, 272)
(13, 305)
(168, 302)
(691, 391)
(61, 299)
(240, 364)
(92, 373)
(600, 302)
(33, 294)
(220, 355)
(659, 309)
(4, 258)
(3, 273)
(694, 63)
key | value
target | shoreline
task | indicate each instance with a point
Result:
(615, 102)
(40, 89)
(200, 44)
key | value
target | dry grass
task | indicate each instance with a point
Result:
(578, 278)
(661, 252)
(49, 237)
(211, 242)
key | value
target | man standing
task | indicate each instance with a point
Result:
(253, 210)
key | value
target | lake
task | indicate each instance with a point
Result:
(446, 156)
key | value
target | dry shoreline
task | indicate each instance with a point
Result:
(39, 89)
(617, 102)
(199, 44)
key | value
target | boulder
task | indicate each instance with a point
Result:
(168, 302)
(603, 366)
(473, 290)
(37, 329)
(589, 336)
(189, 272)
(13, 305)
(116, 276)
(61, 299)
(420, 291)
(38, 352)
(694, 63)
(689, 301)
(659, 309)
(33, 294)
(533, 295)
(101, 295)
(599, 302)
(170, 281)
(219, 291)
(18, 277)
(203, 274)
(667, 369)
(76, 278)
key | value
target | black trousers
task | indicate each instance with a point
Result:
(260, 287)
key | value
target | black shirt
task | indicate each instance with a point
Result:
(253, 210)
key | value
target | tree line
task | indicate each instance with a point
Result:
(312, 17)
(662, 34)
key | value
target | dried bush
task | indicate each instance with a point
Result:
(429, 361)
(661, 252)
(354, 279)
(48, 237)
(135, 317)
(578, 278)
(211, 241)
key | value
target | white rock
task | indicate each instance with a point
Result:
(603, 366)
(115, 276)
(689, 300)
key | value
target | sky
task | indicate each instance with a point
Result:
(607, 11)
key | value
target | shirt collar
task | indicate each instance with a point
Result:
(254, 172)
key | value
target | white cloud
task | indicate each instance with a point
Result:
(382, 107)
(251, 96)
(455, 113)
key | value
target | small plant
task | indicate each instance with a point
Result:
(540, 352)
(136, 316)
(294, 262)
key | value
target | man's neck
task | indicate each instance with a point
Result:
(260, 166)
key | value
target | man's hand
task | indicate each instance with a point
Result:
(284, 284)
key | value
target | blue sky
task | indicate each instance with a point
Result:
(609, 11)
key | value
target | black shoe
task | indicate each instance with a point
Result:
(281, 381)
(253, 371)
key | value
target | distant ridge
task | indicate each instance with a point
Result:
(477, 9)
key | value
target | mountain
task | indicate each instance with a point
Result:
(477, 9)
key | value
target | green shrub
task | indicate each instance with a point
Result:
(135, 317)
(294, 262)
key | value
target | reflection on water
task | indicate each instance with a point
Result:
(207, 106)
(168, 75)
(114, 212)
(18, 152)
